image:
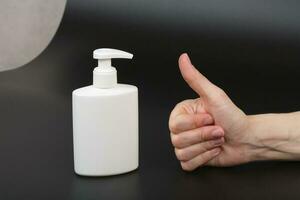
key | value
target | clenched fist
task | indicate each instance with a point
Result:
(209, 130)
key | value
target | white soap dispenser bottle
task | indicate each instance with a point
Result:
(105, 121)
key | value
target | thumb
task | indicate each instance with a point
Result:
(199, 83)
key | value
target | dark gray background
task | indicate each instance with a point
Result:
(249, 48)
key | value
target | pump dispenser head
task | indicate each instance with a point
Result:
(105, 75)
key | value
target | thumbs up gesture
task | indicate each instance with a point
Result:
(210, 130)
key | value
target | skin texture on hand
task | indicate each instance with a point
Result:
(210, 130)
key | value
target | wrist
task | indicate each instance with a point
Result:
(271, 137)
(256, 146)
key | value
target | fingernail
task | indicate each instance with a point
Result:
(217, 133)
(218, 142)
(208, 120)
(216, 151)
(187, 57)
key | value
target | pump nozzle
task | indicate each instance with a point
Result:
(105, 76)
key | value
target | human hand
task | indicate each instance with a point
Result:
(210, 130)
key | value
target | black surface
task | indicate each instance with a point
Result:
(251, 50)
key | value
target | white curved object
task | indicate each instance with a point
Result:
(27, 27)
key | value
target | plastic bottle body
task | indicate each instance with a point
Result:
(105, 130)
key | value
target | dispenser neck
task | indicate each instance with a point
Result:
(104, 63)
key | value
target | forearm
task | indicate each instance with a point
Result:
(275, 136)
